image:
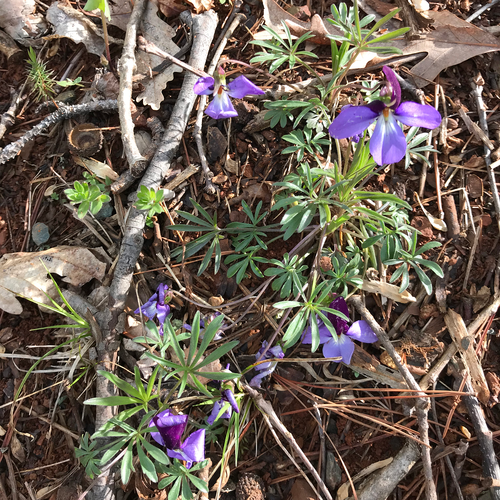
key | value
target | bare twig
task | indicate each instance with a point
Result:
(481, 10)
(209, 187)
(422, 401)
(477, 89)
(62, 113)
(126, 65)
(272, 420)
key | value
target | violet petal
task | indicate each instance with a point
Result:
(228, 394)
(324, 334)
(388, 142)
(256, 381)
(393, 82)
(194, 446)
(351, 121)
(346, 346)
(221, 107)
(242, 86)
(148, 309)
(360, 330)
(340, 325)
(204, 86)
(170, 428)
(215, 412)
(418, 115)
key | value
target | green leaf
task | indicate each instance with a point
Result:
(147, 465)
(112, 401)
(121, 384)
(156, 453)
(126, 466)
(198, 483)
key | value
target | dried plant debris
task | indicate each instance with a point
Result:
(26, 274)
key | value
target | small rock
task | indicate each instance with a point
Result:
(105, 212)
(333, 475)
(40, 233)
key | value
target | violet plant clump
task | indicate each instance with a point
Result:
(156, 306)
(339, 344)
(170, 429)
(388, 142)
(221, 105)
(267, 368)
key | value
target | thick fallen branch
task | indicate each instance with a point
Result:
(63, 113)
(422, 402)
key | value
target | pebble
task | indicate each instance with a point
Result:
(40, 233)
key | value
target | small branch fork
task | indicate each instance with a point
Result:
(422, 401)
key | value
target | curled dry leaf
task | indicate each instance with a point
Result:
(25, 274)
(70, 23)
(96, 167)
(436, 223)
(387, 290)
(18, 19)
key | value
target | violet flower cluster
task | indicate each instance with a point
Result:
(170, 429)
(388, 141)
(221, 106)
(266, 369)
(341, 344)
(156, 306)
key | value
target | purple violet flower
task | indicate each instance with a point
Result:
(388, 142)
(227, 396)
(170, 429)
(204, 322)
(221, 106)
(341, 345)
(266, 368)
(156, 306)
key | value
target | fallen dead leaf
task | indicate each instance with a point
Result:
(387, 290)
(274, 15)
(25, 274)
(70, 23)
(201, 5)
(170, 8)
(160, 33)
(451, 42)
(19, 20)
(101, 170)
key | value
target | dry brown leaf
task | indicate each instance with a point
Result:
(201, 5)
(170, 8)
(24, 274)
(451, 42)
(19, 20)
(160, 33)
